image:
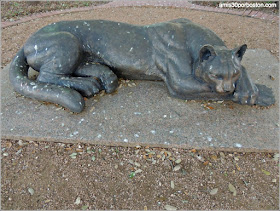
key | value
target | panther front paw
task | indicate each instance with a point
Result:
(109, 82)
(103, 74)
(246, 96)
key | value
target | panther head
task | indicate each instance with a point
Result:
(220, 67)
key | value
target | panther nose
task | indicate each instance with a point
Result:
(228, 87)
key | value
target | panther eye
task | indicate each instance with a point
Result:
(213, 75)
(219, 77)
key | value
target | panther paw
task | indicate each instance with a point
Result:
(246, 96)
(88, 86)
(109, 82)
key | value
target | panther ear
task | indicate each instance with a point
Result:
(239, 51)
(207, 52)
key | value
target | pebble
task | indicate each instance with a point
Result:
(176, 168)
(31, 191)
(78, 201)
(18, 152)
(138, 171)
(214, 191)
(137, 164)
(172, 184)
(222, 154)
(178, 161)
(169, 207)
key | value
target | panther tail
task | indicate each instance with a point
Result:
(63, 96)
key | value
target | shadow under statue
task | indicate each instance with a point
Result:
(77, 59)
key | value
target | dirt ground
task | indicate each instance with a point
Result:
(14, 10)
(41, 175)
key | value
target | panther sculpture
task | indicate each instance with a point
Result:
(77, 59)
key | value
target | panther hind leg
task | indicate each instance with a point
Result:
(57, 55)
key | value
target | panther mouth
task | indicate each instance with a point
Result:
(225, 89)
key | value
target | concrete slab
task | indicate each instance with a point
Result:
(145, 115)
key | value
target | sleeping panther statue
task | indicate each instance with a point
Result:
(77, 59)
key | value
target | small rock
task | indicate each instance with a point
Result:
(167, 154)
(232, 189)
(172, 184)
(18, 152)
(214, 191)
(178, 161)
(137, 164)
(222, 155)
(138, 171)
(200, 158)
(176, 168)
(78, 201)
(169, 207)
(276, 157)
(31, 191)
(73, 155)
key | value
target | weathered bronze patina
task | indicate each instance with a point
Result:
(77, 59)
